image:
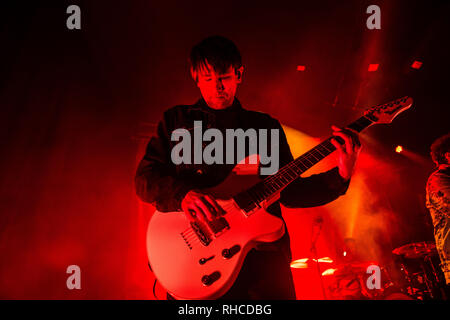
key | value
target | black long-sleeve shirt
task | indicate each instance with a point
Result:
(164, 184)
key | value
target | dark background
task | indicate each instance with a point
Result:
(77, 107)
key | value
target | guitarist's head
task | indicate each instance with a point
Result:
(440, 150)
(216, 67)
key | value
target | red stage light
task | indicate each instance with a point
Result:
(328, 272)
(416, 64)
(399, 149)
(373, 67)
(301, 68)
(307, 262)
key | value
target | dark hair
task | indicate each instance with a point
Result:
(439, 147)
(220, 52)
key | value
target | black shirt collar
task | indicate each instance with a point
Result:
(236, 106)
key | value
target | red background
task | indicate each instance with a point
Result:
(77, 108)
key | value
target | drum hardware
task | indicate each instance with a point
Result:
(418, 263)
(414, 274)
(349, 281)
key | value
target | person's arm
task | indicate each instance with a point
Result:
(316, 190)
(156, 181)
(438, 189)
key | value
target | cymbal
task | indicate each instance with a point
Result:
(308, 262)
(349, 269)
(416, 250)
(329, 272)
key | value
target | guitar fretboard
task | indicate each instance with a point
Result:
(254, 196)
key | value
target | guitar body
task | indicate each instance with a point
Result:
(189, 269)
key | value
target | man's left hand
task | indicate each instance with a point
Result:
(348, 152)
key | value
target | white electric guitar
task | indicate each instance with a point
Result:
(202, 261)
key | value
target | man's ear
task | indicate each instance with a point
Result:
(239, 73)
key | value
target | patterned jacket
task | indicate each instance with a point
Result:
(438, 202)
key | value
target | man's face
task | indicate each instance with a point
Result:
(218, 90)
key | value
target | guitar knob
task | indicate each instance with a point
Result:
(208, 280)
(226, 253)
(230, 252)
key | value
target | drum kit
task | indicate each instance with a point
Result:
(420, 274)
(413, 274)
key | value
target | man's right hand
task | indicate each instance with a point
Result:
(200, 207)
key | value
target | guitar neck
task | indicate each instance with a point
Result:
(256, 195)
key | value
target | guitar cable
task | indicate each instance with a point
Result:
(154, 289)
(154, 283)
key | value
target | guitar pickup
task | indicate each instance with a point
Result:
(202, 235)
(218, 225)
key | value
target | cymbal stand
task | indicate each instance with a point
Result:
(317, 224)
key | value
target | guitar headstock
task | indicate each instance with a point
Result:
(385, 113)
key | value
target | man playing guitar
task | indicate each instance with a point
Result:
(217, 69)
